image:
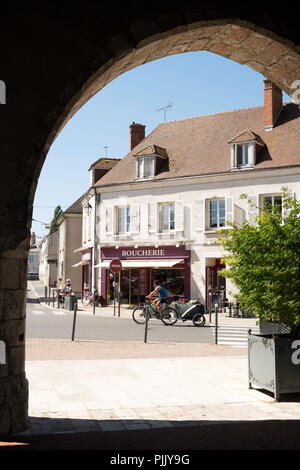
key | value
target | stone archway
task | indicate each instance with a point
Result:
(53, 62)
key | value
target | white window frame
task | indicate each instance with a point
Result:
(160, 206)
(126, 222)
(209, 227)
(142, 170)
(251, 155)
(272, 196)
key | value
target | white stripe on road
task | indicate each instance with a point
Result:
(38, 312)
(59, 312)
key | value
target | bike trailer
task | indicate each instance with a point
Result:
(195, 309)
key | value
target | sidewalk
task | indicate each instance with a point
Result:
(107, 395)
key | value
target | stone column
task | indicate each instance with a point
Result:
(13, 383)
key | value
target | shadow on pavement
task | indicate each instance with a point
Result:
(180, 435)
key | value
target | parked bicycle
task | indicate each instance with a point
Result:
(88, 299)
(168, 313)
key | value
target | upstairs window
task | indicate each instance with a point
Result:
(272, 201)
(242, 155)
(244, 149)
(216, 213)
(123, 219)
(167, 217)
(145, 167)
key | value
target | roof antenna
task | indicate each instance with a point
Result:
(164, 109)
(105, 147)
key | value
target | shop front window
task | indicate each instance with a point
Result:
(171, 279)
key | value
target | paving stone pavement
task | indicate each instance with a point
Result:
(132, 391)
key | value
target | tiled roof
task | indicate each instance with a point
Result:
(76, 207)
(104, 163)
(199, 146)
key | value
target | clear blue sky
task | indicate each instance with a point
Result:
(195, 83)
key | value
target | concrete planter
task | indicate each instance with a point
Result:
(274, 363)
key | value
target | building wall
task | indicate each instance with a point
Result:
(202, 242)
(73, 238)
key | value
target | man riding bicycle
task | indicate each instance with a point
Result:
(163, 296)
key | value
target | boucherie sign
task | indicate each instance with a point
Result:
(142, 253)
(145, 252)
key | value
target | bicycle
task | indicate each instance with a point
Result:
(168, 313)
(88, 299)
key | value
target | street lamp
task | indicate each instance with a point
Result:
(87, 208)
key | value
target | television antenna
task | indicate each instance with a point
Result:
(105, 147)
(164, 109)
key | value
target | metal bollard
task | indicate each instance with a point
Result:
(209, 306)
(146, 325)
(53, 298)
(45, 299)
(216, 324)
(74, 321)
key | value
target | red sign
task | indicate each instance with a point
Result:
(115, 265)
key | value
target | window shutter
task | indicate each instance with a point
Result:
(152, 217)
(252, 209)
(200, 214)
(229, 210)
(134, 219)
(109, 220)
(179, 216)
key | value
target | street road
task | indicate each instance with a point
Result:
(49, 323)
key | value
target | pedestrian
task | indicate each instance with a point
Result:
(68, 287)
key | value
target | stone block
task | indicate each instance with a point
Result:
(17, 360)
(9, 273)
(5, 419)
(14, 304)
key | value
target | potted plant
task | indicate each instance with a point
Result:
(263, 261)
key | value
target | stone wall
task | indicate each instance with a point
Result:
(53, 59)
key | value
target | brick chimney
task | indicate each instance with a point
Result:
(273, 104)
(137, 134)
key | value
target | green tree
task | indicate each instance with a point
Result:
(53, 224)
(263, 261)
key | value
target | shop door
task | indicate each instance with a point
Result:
(215, 283)
(134, 274)
(127, 281)
(124, 286)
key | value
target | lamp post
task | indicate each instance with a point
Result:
(88, 209)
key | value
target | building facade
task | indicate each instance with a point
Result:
(69, 238)
(48, 260)
(159, 209)
(87, 248)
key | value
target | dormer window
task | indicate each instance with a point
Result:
(242, 155)
(244, 148)
(150, 161)
(145, 167)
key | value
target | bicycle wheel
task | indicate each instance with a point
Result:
(199, 320)
(169, 316)
(139, 315)
(85, 300)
